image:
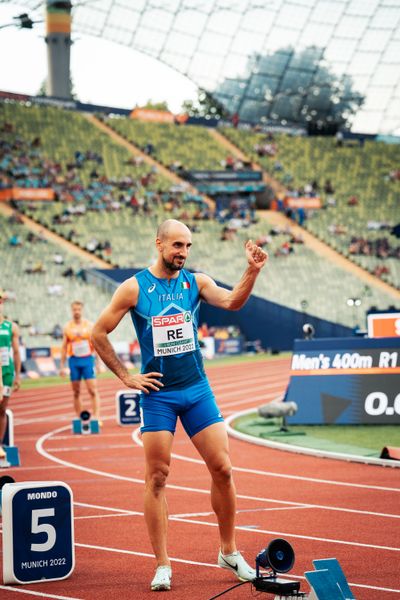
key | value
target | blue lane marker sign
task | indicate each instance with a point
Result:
(38, 532)
(12, 453)
(128, 407)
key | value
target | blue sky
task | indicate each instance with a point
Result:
(24, 65)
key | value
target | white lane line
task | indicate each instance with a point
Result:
(72, 436)
(43, 452)
(215, 566)
(41, 468)
(294, 535)
(102, 516)
(118, 511)
(241, 510)
(108, 508)
(138, 441)
(41, 594)
(105, 447)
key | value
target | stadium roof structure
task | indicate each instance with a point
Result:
(278, 61)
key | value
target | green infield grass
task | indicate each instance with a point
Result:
(351, 439)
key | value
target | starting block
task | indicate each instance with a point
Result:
(38, 534)
(128, 407)
(85, 425)
(12, 453)
(328, 582)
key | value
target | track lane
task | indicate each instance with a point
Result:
(197, 536)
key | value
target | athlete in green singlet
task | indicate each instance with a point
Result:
(10, 366)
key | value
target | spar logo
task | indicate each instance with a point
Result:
(168, 320)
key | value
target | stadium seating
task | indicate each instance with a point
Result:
(360, 170)
(189, 146)
(298, 276)
(42, 299)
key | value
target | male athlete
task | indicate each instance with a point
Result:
(10, 367)
(78, 347)
(164, 303)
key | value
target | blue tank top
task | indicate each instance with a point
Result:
(166, 320)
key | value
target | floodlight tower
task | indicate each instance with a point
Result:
(58, 40)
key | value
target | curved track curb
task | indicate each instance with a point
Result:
(299, 449)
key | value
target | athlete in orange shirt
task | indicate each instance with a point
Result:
(81, 358)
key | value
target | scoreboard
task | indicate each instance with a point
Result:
(345, 381)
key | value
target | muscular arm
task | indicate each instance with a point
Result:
(123, 300)
(237, 297)
(16, 355)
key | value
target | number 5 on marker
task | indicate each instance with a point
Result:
(43, 528)
(38, 533)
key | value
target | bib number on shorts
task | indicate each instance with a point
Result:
(81, 348)
(173, 334)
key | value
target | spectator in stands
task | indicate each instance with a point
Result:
(15, 240)
(339, 139)
(58, 258)
(34, 267)
(69, 272)
(263, 240)
(183, 371)
(55, 289)
(10, 295)
(352, 201)
(10, 366)
(78, 347)
(328, 187)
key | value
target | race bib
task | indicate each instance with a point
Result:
(81, 348)
(4, 356)
(173, 334)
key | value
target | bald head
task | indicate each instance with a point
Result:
(173, 242)
(171, 227)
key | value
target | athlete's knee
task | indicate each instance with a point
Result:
(2, 409)
(221, 472)
(157, 477)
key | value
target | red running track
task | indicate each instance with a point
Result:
(324, 508)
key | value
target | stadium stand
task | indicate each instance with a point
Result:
(84, 214)
(40, 281)
(357, 182)
(177, 147)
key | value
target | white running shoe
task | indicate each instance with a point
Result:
(236, 563)
(162, 579)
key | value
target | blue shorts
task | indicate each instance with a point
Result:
(81, 367)
(195, 406)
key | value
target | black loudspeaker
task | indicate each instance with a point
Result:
(278, 556)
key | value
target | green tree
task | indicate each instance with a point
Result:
(291, 86)
(150, 105)
(206, 105)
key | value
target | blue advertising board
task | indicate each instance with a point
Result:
(38, 534)
(345, 381)
(232, 345)
(128, 407)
